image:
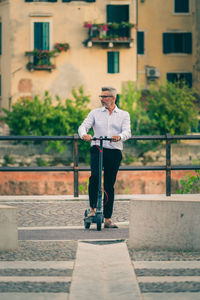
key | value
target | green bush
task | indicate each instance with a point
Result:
(190, 184)
(172, 108)
(160, 110)
(45, 117)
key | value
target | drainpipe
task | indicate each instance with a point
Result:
(136, 44)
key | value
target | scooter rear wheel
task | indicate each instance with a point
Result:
(87, 225)
(99, 221)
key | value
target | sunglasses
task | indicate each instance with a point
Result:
(102, 96)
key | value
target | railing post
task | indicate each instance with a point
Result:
(75, 154)
(168, 166)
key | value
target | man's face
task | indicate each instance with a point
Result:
(107, 100)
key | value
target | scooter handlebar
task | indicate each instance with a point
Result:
(101, 138)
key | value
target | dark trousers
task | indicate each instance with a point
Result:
(111, 163)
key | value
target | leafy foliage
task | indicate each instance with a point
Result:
(161, 110)
(172, 108)
(190, 183)
(49, 118)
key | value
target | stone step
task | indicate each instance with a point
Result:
(35, 277)
(34, 286)
(167, 277)
(169, 296)
(37, 264)
(167, 268)
(35, 296)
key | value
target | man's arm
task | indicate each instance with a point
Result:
(85, 126)
(126, 128)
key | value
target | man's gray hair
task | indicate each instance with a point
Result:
(111, 89)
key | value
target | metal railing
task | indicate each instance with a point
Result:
(76, 168)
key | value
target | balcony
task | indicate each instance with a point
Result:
(40, 60)
(109, 35)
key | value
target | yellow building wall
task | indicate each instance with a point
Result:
(5, 62)
(79, 65)
(154, 18)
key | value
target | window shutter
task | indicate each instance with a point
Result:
(41, 35)
(170, 77)
(188, 42)
(117, 13)
(188, 79)
(42, 1)
(167, 42)
(79, 0)
(45, 36)
(113, 62)
(181, 6)
(0, 38)
(140, 42)
(38, 35)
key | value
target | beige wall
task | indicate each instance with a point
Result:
(78, 66)
(154, 18)
(5, 68)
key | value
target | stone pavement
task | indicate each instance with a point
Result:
(51, 230)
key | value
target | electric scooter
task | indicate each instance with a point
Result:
(98, 218)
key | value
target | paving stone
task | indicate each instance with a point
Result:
(41, 251)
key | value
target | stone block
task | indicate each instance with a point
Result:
(8, 228)
(161, 222)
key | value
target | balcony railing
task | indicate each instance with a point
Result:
(40, 60)
(109, 34)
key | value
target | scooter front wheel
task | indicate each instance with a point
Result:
(99, 221)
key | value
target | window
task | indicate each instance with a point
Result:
(41, 40)
(113, 62)
(0, 86)
(181, 6)
(79, 0)
(177, 42)
(41, 35)
(117, 13)
(0, 38)
(41, 0)
(180, 78)
(140, 42)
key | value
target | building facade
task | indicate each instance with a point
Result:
(168, 41)
(57, 45)
(36, 35)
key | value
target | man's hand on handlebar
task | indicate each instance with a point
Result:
(116, 138)
(87, 137)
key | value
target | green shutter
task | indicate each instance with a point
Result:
(113, 62)
(188, 79)
(41, 35)
(181, 6)
(187, 43)
(140, 42)
(171, 77)
(117, 13)
(45, 36)
(167, 42)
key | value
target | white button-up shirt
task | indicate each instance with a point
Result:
(105, 124)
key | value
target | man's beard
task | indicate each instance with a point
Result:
(106, 105)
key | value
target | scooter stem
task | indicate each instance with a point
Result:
(99, 198)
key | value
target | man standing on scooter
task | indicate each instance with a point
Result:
(112, 122)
